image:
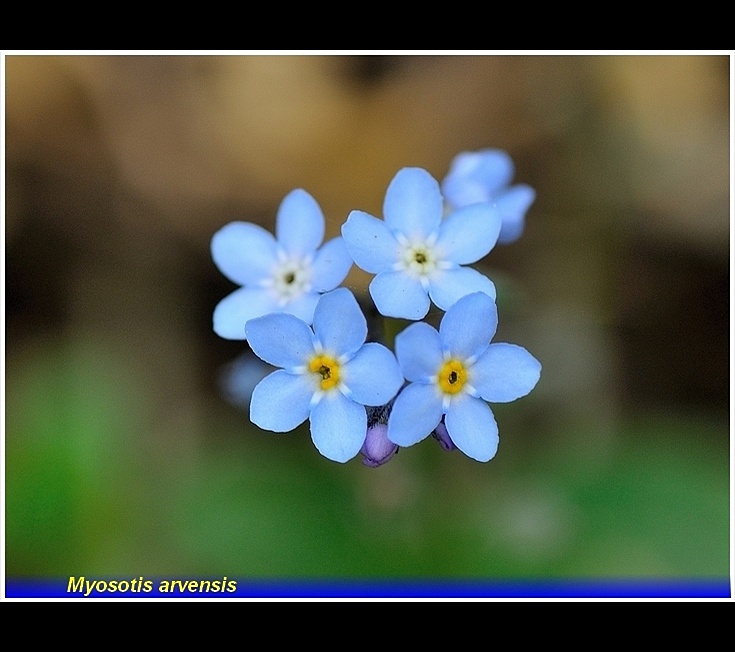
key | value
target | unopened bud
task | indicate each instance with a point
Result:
(377, 449)
(442, 436)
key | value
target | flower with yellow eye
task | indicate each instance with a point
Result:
(452, 372)
(327, 374)
(286, 273)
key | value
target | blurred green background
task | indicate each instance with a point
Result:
(123, 457)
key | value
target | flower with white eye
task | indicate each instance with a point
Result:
(452, 373)
(286, 273)
(417, 255)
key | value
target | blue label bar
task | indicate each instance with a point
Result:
(224, 587)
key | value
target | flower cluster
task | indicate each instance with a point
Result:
(359, 396)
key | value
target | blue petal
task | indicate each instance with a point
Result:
(281, 401)
(419, 352)
(302, 307)
(448, 286)
(469, 233)
(339, 324)
(468, 326)
(373, 376)
(471, 425)
(233, 312)
(476, 176)
(244, 252)
(396, 294)
(370, 242)
(331, 265)
(504, 373)
(513, 205)
(338, 427)
(238, 379)
(416, 412)
(413, 204)
(281, 340)
(299, 223)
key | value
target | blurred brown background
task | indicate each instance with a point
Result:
(123, 457)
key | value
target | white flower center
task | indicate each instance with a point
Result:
(291, 278)
(419, 258)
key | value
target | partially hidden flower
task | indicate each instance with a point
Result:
(238, 378)
(327, 374)
(418, 256)
(484, 176)
(452, 372)
(286, 273)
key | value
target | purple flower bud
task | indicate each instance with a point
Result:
(377, 448)
(442, 436)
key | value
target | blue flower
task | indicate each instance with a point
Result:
(287, 274)
(414, 253)
(327, 375)
(238, 378)
(453, 372)
(483, 176)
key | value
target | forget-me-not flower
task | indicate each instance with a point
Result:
(287, 273)
(453, 372)
(327, 375)
(484, 176)
(417, 255)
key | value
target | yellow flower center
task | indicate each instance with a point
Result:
(452, 377)
(326, 369)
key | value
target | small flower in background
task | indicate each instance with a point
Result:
(238, 378)
(453, 372)
(327, 375)
(484, 176)
(287, 273)
(417, 256)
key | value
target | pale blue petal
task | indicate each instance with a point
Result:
(299, 223)
(447, 286)
(476, 176)
(413, 203)
(419, 352)
(339, 324)
(302, 307)
(331, 265)
(373, 376)
(281, 401)
(244, 252)
(370, 242)
(416, 412)
(504, 373)
(396, 294)
(513, 205)
(238, 379)
(471, 425)
(338, 427)
(468, 326)
(469, 233)
(281, 340)
(233, 312)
